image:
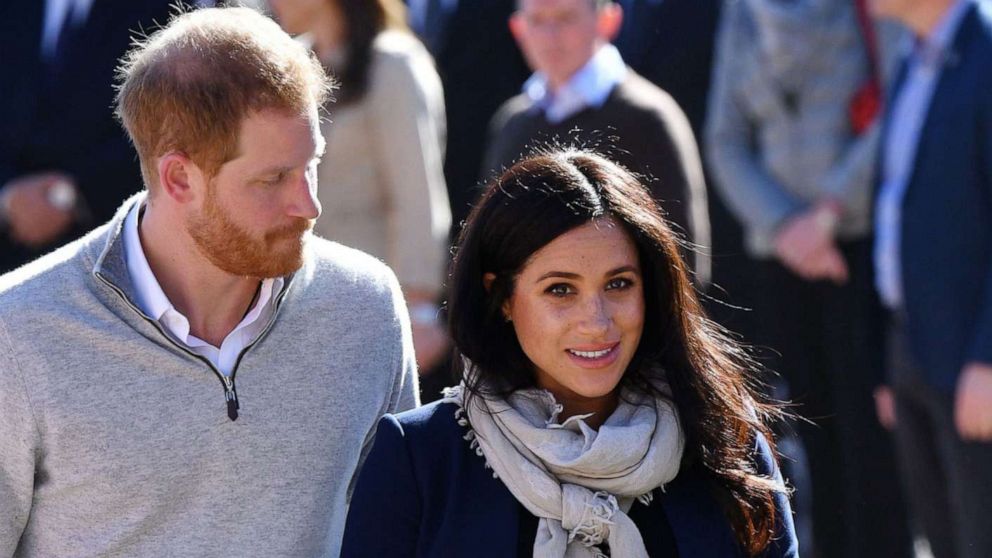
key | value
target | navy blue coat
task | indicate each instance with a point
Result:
(65, 121)
(424, 492)
(946, 254)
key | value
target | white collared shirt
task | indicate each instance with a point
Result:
(153, 302)
(910, 106)
(588, 87)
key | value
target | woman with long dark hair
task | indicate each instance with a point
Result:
(381, 179)
(600, 412)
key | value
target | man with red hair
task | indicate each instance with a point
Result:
(160, 391)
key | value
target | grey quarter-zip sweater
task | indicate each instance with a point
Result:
(117, 441)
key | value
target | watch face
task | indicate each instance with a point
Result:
(826, 220)
(424, 313)
(62, 195)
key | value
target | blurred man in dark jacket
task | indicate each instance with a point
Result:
(65, 164)
(582, 92)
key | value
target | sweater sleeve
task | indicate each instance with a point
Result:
(407, 120)
(384, 517)
(502, 149)
(749, 191)
(405, 392)
(19, 443)
(785, 543)
(849, 181)
(679, 174)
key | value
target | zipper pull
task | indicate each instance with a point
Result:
(232, 399)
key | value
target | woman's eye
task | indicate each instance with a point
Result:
(559, 289)
(619, 283)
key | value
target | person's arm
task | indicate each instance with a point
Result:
(33, 212)
(407, 121)
(19, 441)
(41, 207)
(806, 242)
(973, 402)
(849, 181)
(785, 543)
(499, 154)
(405, 393)
(757, 200)
(403, 387)
(384, 516)
(681, 178)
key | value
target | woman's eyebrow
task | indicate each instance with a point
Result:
(623, 269)
(570, 275)
(561, 274)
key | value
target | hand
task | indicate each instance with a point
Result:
(800, 238)
(805, 245)
(430, 344)
(827, 264)
(885, 407)
(973, 402)
(33, 220)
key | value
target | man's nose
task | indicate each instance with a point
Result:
(303, 202)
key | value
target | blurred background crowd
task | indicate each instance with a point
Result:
(756, 124)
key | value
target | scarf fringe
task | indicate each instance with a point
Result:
(455, 395)
(596, 520)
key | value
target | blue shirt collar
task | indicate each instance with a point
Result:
(936, 47)
(587, 88)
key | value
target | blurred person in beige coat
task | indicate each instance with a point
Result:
(381, 179)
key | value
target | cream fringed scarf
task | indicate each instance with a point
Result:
(580, 482)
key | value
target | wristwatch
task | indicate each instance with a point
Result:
(827, 215)
(424, 313)
(62, 195)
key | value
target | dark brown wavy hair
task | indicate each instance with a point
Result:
(364, 20)
(711, 376)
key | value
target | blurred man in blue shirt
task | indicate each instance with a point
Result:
(933, 265)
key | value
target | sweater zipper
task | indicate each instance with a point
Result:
(231, 396)
(230, 390)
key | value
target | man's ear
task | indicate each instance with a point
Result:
(516, 24)
(609, 21)
(176, 176)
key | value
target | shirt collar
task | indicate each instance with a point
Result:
(149, 295)
(588, 87)
(935, 48)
